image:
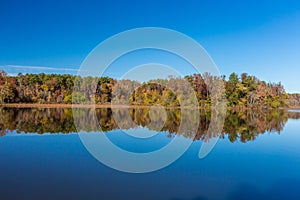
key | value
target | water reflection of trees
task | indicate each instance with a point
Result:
(243, 126)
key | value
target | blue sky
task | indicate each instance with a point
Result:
(257, 37)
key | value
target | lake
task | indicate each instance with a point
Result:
(43, 157)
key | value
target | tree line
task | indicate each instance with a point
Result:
(240, 91)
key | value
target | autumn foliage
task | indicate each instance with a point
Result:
(240, 91)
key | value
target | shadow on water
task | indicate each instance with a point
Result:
(239, 126)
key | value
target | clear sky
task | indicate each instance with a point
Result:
(259, 37)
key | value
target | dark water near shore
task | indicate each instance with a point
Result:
(42, 156)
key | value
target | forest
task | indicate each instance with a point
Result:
(244, 91)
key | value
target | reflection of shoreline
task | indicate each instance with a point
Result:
(2, 132)
(58, 105)
(239, 125)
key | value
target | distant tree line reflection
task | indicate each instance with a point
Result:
(241, 126)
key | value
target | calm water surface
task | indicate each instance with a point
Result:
(42, 157)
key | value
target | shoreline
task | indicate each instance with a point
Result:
(36, 105)
(292, 108)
